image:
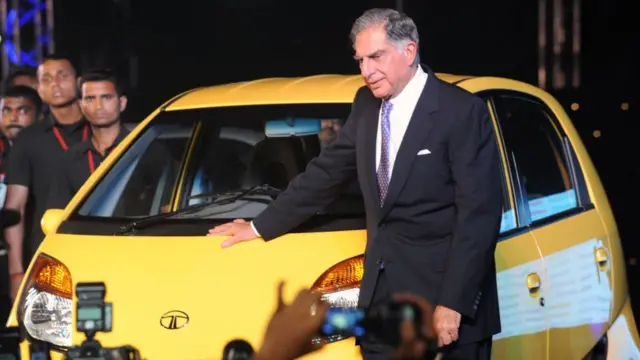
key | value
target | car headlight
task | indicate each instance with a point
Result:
(45, 309)
(340, 287)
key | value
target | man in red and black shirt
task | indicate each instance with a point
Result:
(102, 102)
(35, 156)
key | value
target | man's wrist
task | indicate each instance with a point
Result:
(255, 231)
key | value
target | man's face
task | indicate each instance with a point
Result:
(384, 67)
(17, 113)
(329, 129)
(101, 104)
(26, 80)
(57, 82)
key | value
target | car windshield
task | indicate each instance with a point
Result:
(187, 157)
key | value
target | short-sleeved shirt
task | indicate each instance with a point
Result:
(5, 149)
(77, 165)
(36, 154)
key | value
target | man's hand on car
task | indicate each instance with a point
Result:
(292, 328)
(239, 230)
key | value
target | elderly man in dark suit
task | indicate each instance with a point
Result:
(426, 158)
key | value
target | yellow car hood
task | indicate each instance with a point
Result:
(226, 293)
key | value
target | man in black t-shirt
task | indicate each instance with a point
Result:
(36, 154)
(102, 102)
(21, 107)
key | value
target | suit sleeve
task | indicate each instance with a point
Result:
(313, 190)
(475, 166)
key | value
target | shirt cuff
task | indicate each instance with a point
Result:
(254, 229)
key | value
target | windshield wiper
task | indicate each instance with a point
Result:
(224, 198)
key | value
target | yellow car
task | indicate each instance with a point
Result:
(139, 225)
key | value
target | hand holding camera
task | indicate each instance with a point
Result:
(292, 326)
(307, 324)
(416, 339)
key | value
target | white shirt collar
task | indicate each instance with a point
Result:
(414, 86)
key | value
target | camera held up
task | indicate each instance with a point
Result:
(94, 315)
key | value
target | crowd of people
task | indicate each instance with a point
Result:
(57, 127)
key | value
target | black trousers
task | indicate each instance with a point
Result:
(373, 348)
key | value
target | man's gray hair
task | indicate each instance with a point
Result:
(399, 27)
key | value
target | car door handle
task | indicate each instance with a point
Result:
(602, 258)
(533, 283)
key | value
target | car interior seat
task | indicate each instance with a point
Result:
(276, 162)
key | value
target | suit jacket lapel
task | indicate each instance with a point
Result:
(419, 126)
(369, 134)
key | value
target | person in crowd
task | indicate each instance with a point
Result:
(22, 76)
(102, 102)
(35, 155)
(329, 129)
(426, 157)
(21, 107)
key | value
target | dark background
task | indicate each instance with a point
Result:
(180, 45)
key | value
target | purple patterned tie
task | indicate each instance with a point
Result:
(383, 167)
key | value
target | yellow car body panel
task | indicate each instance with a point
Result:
(230, 293)
(202, 279)
(306, 90)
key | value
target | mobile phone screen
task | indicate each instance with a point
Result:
(343, 321)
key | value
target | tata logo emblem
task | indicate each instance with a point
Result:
(174, 320)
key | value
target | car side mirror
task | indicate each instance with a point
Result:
(51, 220)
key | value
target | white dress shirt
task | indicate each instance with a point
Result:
(401, 112)
(403, 106)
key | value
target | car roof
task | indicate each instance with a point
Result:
(298, 90)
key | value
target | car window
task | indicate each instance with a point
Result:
(143, 181)
(184, 157)
(508, 214)
(231, 155)
(533, 141)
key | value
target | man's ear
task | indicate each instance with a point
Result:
(411, 52)
(123, 103)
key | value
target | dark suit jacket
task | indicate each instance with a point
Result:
(438, 228)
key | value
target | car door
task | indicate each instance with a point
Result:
(567, 230)
(520, 274)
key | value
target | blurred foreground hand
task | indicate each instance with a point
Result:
(293, 327)
(416, 342)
